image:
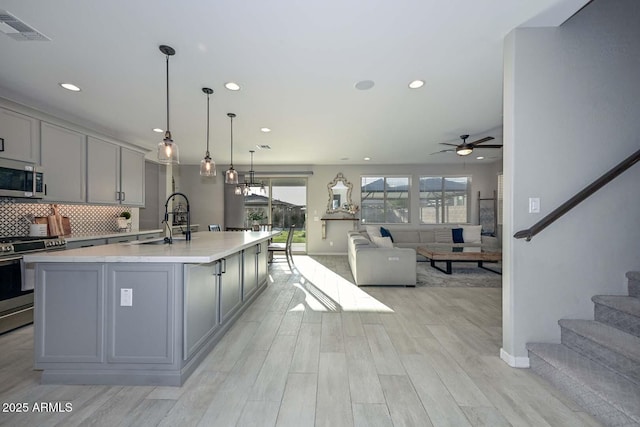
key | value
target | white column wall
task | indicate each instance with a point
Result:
(571, 112)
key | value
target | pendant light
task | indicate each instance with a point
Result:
(246, 187)
(231, 175)
(167, 149)
(207, 166)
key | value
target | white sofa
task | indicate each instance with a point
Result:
(374, 265)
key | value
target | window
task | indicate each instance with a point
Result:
(444, 199)
(384, 199)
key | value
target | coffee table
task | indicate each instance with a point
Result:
(449, 254)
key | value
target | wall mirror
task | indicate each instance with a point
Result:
(339, 195)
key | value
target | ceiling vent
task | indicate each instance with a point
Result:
(18, 30)
(264, 146)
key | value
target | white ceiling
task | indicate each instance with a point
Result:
(297, 63)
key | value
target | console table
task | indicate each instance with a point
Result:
(330, 218)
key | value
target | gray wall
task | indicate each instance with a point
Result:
(571, 113)
(206, 195)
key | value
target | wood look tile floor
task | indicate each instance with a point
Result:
(314, 349)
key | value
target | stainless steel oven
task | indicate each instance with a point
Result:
(16, 299)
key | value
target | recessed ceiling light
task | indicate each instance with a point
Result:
(265, 130)
(480, 157)
(232, 86)
(366, 159)
(158, 130)
(70, 86)
(365, 84)
(416, 84)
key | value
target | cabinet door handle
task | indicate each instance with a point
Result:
(45, 189)
(1, 144)
(117, 195)
(224, 265)
(259, 249)
(124, 196)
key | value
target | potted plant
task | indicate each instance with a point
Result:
(124, 220)
(255, 217)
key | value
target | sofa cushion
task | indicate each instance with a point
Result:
(471, 233)
(427, 236)
(405, 236)
(373, 230)
(382, 242)
(457, 235)
(385, 233)
(443, 235)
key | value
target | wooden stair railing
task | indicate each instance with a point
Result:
(579, 197)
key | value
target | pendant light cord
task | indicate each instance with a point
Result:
(207, 123)
(231, 117)
(167, 93)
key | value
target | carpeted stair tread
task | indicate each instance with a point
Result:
(621, 303)
(605, 335)
(602, 392)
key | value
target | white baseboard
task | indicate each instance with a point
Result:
(514, 362)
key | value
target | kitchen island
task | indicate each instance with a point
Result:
(144, 312)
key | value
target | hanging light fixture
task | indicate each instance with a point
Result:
(231, 175)
(207, 166)
(167, 149)
(246, 187)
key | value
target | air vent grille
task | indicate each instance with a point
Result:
(264, 146)
(18, 30)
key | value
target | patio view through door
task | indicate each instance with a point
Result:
(282, 203)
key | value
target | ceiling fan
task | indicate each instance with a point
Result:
(466, 148)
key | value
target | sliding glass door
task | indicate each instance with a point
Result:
(282, 203)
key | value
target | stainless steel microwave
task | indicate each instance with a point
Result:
(21, 179)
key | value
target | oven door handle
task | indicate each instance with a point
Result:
(10, 260)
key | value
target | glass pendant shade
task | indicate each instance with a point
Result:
(168, 152)
(207, 166)
(231, 176)
(238, 190)
(167, 149)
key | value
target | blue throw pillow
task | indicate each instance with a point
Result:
(385, 233)
(456, 233)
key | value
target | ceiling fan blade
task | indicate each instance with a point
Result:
(443, 151)
(448, 143)
(480, 141)
(489, 146)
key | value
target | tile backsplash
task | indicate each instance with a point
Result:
(84, 219)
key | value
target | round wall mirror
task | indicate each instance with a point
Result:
(339, 195)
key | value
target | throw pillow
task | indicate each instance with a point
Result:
(457, 235)
(471, 233)
(385, 233)
(382, 242)
(443, 235)
(373, 230)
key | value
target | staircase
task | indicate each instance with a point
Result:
(598, 362)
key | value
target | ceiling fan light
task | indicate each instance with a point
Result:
(464, 150)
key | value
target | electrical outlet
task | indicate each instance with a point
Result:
(126, 297)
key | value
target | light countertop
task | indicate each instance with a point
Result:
(74, 237)
(204, 247)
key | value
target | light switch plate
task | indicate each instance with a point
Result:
(126, 297)
(534, 205)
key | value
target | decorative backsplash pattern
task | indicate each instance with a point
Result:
(84, 219)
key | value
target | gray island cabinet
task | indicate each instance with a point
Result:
(142, 313)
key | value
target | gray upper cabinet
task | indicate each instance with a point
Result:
(114, 174)
(132, 177)
(18, 136)
(62, 153)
